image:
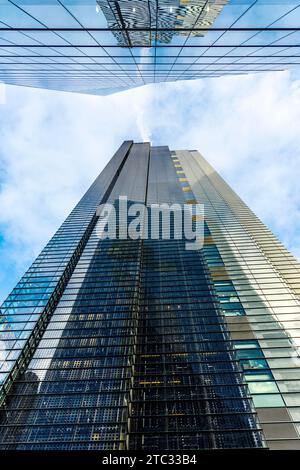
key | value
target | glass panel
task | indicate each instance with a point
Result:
(268, 401)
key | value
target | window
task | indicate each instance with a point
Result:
(268, 401)
(258, 375)
(254, 364)
(262, 387)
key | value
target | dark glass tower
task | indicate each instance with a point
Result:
(142, 344)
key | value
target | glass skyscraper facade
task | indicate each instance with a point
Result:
(104, 46)
(129, 344)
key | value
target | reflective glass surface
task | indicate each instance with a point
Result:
(142, 344)
(255, 275)
(104, 46)
(136, 353)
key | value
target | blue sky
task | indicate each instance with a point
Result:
(53, 144)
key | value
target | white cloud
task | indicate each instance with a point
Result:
(54, 144)
(2, 93)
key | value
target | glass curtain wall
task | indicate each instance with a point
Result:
(104, 46)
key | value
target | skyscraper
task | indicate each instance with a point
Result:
(140, 343)
(168, 17)
(104, 46)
